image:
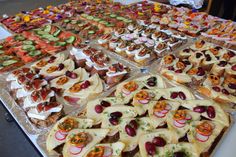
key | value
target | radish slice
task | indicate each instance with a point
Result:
(63, 132)
(181, 121)
(201, 138)
(164, 111)
(60, 136)
(159, 114)
(168, 107)
(75, 150)
(108, 152)
(188, 117)
(126, 92)
(145, 101)
(178, 125)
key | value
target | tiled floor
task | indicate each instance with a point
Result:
(13, 142)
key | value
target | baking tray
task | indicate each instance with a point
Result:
(41, 140)
(20, 113)
(156, 67)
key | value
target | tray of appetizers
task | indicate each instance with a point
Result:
(53, 87)
(27, 20)
(141, 44)
(143, 116)
(29, 46)
(206, 67)
(222, 34)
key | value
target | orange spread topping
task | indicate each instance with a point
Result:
(52, 69)
(42, 63)
(75, 88)
(180, 115)
(168, 59)
(214, 51)
(68, 124)
(215, 80)
(226, 56)
(180, 65)
(199, 44)
(98, 151)
(192, 71)
(160, 106)
(142, 95)
(80, 139)
(131, 86)
(230, 79)
(62, 80)
(204, 128)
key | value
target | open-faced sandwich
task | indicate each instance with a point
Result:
(153, 121)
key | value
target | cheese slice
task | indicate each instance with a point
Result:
(96, 87)
(220, 115)
(60, 57)
(143, 107)
(168, 150)
(52, 142)
(166, 93)
(127, 98)
(158, 121)
(81, 73)
(127, 112)
(160, 83)
(131, 142)
(204, 146)
(166, 134)
(178, 77)
(69, 65)
(181, 131)
(90, 109)
(114, 148)
(97, 135)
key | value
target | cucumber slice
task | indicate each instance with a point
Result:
(39, 32)
(84, 15)
(97, 19)
(9, 62)
(55, 34)
(66, 21)
(28, 42)
(60, 43)
(91, 32)
(50, 37)
(19, 37)
(113, 15)
(104, 22)
(119, 18)
(81, 25)
(73, 22)
(35, 53)
(70, 40)
(110, 25)
(28, 47)
(1, 52)
(47, 28)
(128, 21)
(4, 58)
(1, 46)
(90, 17)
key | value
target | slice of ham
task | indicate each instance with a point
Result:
(71, 100)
